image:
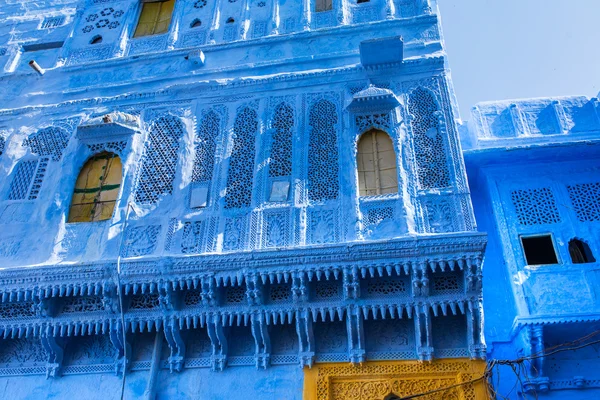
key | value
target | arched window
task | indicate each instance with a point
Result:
(96, 189)
(580, 252)
(241, 166)
(160, 160)
(376, 161)
(430, 151)
(323, 175)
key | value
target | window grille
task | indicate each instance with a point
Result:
(160, 160)
(52, 22)
(241, 166)
(22, 180)
(206, 145)
(535, 206)
(586, 201)
(323, 5)
(323, 181)
(430, 152)
(281, 153)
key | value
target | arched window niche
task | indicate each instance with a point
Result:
(376, 164)
(96, 189)
(580, 252)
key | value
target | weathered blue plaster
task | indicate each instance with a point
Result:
(533, 169)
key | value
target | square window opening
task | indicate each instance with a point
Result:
(539, 250)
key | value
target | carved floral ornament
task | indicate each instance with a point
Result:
(380, 380)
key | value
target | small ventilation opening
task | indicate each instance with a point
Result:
(230, 20)
(195, 23)
(96, 39)
(539, 250)
(362, 1)
(580, 252)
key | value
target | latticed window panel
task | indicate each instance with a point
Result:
(446, 283)
(235, 294)
(39, 178)
(206, 144)
(281, 153)
(430, 150)
(280, 293)
(82, 304)
(391, 286)
(2, 144)
(192, 298)
(375, 216)
(144, 302)
(586, 201)
(17, 310)
(323, 179)
(241, 166)
(535, 206)
(327, 290)
(160, 160)
(22, 180)
(48, 142)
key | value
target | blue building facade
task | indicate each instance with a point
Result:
(533, 173)
(214, 199)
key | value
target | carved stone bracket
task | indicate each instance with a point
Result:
(262, 341)
(420, 281)
(176, 345)
(55, 356)
(304, 328)
(423, 333)
(208, 291)
(218, 359)
(253, 290)
(299, 288)
(356, 335)
(122, 347)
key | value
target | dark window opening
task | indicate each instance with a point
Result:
(195, 23)
(230, 20)
(362, 1)
(580, 252)
(96, 39)
(539, 250)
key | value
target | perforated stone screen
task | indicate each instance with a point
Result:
(323, 179)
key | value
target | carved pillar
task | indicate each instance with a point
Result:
(260, 333)
(420, 281)
(218, 359)
(534, 336)
(423, 332)
(273, 28)
(475, 329)
(175, 24)
(254, 290)
(473, 275)
(215, 22)
(128, 28)
(304, 328)
(176, 345)
(208, 292)
(356, 336)
(306, 15)
(299, 288)
(55, 355)
(351, 283)
(150, 393)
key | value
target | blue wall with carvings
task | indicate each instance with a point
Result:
(240, 250)
(533, 170)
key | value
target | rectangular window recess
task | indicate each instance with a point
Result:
(42, 46)
(539, 250)
(279, 191)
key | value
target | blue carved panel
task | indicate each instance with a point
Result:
(331, 341)
(429, 146)
(89, 350)
(159, 160)
(389, 339)
(323, 175)
(241, 165)
(449, 335)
